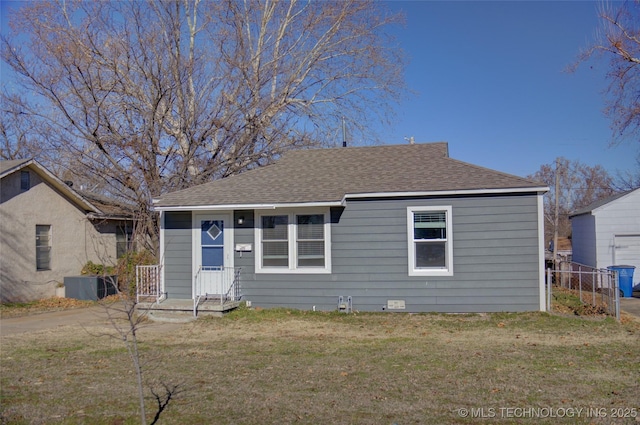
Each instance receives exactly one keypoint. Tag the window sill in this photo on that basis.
(309, 270)
(434, 272)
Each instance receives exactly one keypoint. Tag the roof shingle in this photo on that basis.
(327, 175)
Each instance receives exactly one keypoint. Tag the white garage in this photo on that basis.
(607, 233)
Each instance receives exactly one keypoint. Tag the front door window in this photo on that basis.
(212, 243)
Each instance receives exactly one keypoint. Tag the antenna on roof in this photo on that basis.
(411, 140)
(344, 134)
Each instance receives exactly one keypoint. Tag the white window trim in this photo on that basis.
(292, 242)
(446, 271)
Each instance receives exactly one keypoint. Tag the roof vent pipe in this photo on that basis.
(344, 134)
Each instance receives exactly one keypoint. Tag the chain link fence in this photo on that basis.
(595, 289)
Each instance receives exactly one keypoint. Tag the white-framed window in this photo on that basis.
(275, 240)
(293, 241)
(430, 241)
(43, 247)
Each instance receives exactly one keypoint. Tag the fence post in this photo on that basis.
(601, 285)
(580, 283)
(616, 290)
(593, 286)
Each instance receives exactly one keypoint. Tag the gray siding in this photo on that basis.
(244, 234)
(177, 255)
(495, 259)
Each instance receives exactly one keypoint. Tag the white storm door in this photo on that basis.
(213, 253)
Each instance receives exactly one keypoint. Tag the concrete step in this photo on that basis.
(181, 311)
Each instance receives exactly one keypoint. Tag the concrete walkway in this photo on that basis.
(631, 305)
(91, 317)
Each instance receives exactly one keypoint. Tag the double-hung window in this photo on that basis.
(430, 241)
(275, 241)
(293, 242)
(310, 240)
(43, 247)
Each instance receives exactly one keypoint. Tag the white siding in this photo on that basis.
(627, 250)
(619, 217)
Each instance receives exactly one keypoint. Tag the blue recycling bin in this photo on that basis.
(625, 279)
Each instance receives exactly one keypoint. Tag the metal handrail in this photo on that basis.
(229, 276)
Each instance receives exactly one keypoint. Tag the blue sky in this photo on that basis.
(490, 79)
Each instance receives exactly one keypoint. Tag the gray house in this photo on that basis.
(385, 228)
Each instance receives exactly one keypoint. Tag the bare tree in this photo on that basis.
(148, 97)
(17, 138)
(618, 40)
(127, 322)
(117, 295)
(578, 186)
(628, 180)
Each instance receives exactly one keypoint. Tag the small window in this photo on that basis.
(25, 181)
(212, 243)
(430, 244)
(123, 241)
(43, 247)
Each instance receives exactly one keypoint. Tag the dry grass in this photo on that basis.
(41, 306)
(279, 366)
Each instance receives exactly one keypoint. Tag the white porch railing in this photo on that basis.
(220, 284)
(148, 283)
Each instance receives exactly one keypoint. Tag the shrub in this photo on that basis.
(93, 269)
(126, 269)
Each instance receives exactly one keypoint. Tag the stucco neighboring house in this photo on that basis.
(384, 228)
(607, 232)
(49, 231)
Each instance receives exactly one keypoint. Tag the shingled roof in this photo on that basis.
(599, 203)
(97, 207)
(330, 175)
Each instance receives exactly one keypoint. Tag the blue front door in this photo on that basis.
(213, 259)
